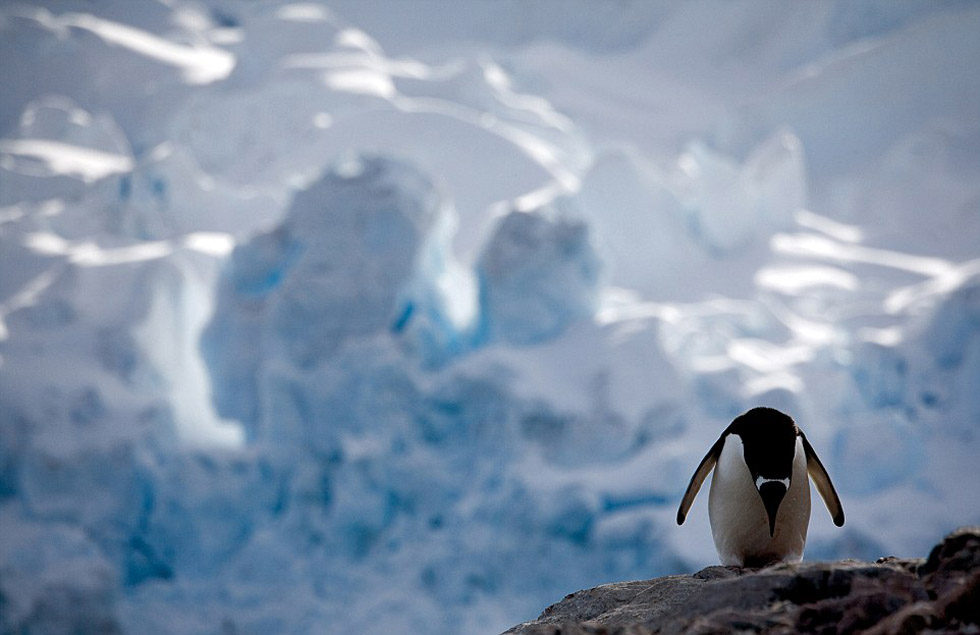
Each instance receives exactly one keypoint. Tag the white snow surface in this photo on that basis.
(380, 317)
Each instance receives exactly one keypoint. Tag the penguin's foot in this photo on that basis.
(760, 562)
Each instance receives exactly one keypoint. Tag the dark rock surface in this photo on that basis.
(940, 594)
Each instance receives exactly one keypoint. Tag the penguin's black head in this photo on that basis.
(769, 447)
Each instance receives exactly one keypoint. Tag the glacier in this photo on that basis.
(374, 317)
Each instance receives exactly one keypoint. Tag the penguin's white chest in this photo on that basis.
(739, 523)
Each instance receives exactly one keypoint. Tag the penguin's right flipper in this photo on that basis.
(707, 464)
(822, 480)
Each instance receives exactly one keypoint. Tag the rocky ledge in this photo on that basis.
(939, 594)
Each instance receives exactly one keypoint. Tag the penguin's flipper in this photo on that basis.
(822, 480)
(707, 464)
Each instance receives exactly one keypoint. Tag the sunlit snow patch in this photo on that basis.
(794, 279)
(200, 63)
(62, 158)
(820, 246)
(57, 138)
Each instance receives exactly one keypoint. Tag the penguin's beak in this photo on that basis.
(772, 493)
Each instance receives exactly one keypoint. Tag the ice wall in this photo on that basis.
(364, 319)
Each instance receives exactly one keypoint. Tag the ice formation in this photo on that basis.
(537, 275)
(353, 318)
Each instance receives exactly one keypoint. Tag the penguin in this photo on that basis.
(759, 502)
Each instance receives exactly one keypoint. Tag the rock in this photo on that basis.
(940, 594)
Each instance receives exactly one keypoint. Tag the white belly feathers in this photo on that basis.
(739, 524)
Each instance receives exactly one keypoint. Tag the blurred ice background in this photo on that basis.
(377, 317)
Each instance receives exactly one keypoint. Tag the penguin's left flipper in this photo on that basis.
(705, 467)
(822, 480)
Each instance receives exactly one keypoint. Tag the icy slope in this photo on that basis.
(356, 318)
